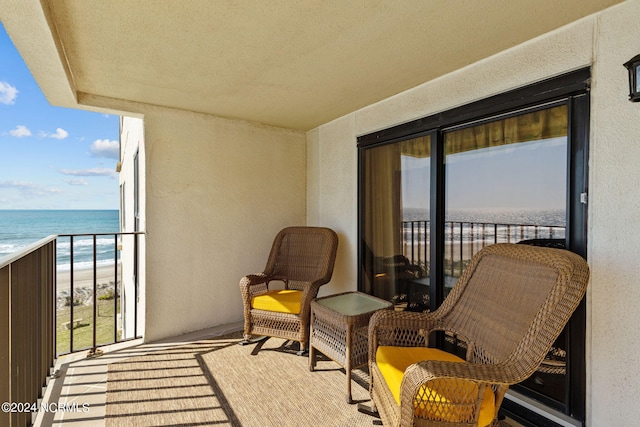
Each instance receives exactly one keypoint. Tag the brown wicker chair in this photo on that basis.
(302, 258)
(509, 305)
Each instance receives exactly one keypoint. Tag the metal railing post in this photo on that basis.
(116, 294)
(72, 298)
(95, 295)
(135, 281)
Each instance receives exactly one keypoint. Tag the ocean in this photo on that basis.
(20, 228)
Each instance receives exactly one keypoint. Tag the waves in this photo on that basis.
(83, 250)
(21, 228)
(106, 250)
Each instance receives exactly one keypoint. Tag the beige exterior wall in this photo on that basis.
(332, 194)
(217, 193)
(613, 223)
(604, 41)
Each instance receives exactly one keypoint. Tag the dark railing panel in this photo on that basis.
(97, 319)
(27, 280)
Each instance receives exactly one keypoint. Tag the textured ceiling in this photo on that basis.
(293, 64)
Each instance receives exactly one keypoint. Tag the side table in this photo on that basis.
(339, 329)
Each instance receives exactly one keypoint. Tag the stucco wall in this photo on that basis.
(331, 195)
(217, 193)
(604, 41)
(614, 219)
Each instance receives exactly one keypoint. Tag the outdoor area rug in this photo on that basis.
(218, 382)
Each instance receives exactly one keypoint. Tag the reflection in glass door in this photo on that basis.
(506, 181)
(509, 168)
(395, 211)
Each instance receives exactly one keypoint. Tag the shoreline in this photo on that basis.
(83, 278)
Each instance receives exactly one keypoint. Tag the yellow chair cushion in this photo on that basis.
(281, 301)
(393, 361)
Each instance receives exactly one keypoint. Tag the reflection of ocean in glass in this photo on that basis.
(544, 217)
(487, 226)
(21, 228)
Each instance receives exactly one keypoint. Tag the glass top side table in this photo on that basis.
(339, 329)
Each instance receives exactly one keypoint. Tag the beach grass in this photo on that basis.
(83, 331)
(83, 289)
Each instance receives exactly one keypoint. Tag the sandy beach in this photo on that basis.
(83, 284)
(83, 278)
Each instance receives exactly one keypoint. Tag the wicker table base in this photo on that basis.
(339, 328)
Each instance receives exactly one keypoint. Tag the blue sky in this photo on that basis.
(51, 157)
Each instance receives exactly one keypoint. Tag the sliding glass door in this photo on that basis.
(506, 181)
(434, 192)
(395, 240)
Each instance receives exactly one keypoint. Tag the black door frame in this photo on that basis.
(571, 88)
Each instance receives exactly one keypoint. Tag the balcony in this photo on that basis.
(203, 378)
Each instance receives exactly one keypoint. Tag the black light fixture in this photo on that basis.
(633, 65)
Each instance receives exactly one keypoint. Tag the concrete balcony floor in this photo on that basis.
(83, 381)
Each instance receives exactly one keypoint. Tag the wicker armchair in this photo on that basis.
(302, 258)
(508, 306)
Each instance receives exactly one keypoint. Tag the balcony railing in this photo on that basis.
(39, 320)
(27, 328)
(464, 239)
(91, 306)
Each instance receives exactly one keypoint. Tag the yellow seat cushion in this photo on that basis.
(281, 301)
(393, 361)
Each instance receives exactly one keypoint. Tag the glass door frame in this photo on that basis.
(571, 89)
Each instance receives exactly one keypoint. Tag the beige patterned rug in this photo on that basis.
(216, 382)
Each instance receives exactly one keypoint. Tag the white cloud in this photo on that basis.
(20, 131)
(29, 188)
(106, 148)
(60, 134)
(8, 93)
(89, 172)
(77, 182)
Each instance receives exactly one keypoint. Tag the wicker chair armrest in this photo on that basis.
(253, 284)
(309, 292)
(428, 372)
(399, 328)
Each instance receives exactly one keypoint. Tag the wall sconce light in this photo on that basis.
(633, 65)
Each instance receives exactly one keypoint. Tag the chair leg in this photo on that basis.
(303, 350)
(249, 340)
(369, 409)
(246, 339)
